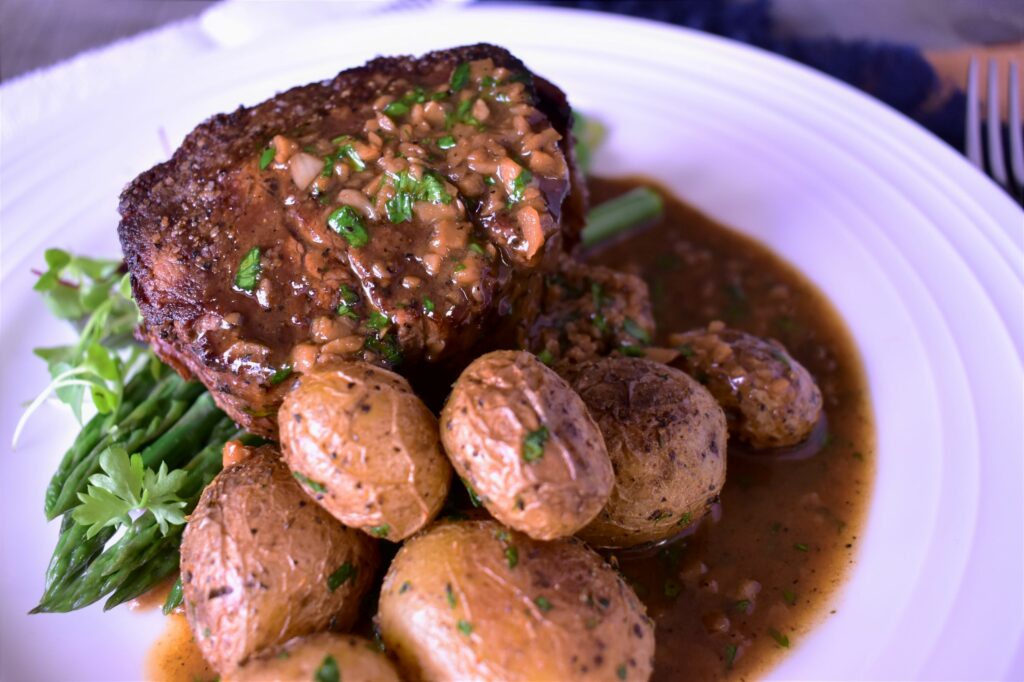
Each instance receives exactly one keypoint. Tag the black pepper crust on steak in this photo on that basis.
(402, 213)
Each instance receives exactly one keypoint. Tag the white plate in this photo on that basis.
(921, 254)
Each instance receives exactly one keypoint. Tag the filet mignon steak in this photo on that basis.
(402, 213)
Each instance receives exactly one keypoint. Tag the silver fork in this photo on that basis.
(993, 127)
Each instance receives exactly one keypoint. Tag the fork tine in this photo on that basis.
(972, 132)
(994, 126)
(1016, 123)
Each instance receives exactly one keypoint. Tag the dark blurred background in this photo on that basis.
(911, 54)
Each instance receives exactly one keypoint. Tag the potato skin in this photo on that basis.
(499, 400)
(666, 437)
(456, 606)
(370, 446)
(257, 558)
(357, 660)
(770, 399)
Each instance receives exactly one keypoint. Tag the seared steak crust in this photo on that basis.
(403, 213)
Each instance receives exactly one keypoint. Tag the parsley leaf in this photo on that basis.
(266, 157)
(348, 223)
(460, 76)
(399, 208)
(127, 485)
(515, 194)
(248, 270)
(446, 142)
(533, 444)
(327, 671)
(315, 486)
(340, 576)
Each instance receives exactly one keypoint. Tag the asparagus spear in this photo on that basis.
(170, 400)
(142, 556)
(617, 215)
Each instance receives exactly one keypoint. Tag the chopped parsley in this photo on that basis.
(387, 347)
(543, 604)
(460, 77)
(800, 547)
(672, 588)
(636, 331)
(730, 655)
(533, 444)
(428, 305)
(465, 627)
(512, 556)
(789, 596)
(632, 351)
(742, 606)
(378, 321)
(348, 223)
(315, 486)
(446, 142)
(348, 300)
(686, 350)
(546, 357)
(282, 373)
(266, 157)
(620, 672)
(462, 115)
(348, 153)
(476, 248)
(449, 596)
(248, 271)
(474, 499)
(780, 639)
(397, 108)
(488, 82)
(380, 531)
(685, 519)
(515, 195)
(399, 208)
(459, 267)
(327, 671)
(340, 576)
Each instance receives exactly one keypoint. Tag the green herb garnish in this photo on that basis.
(780, 639)
(340, 576)
(174, 597)
(546, 357)
(249, 271)
(385, 346)
(349, 224)
(789, 596)
(742, 606)
(348, 153)
(685, 519)
(512, 556)
(349, 299)
(446, 142)
(380, 531)
(449, 595)
(515, 195)
(397, 108)
(266, 157)
(428, 305)
(460, 76)
(315, 486)
(672, 588)
(399, 208)
(282, 373)
(800, 547)
(533, 444)
(543, 604)
(730, 655)
(378, 321)
(620, 672)
(477, 249)
(327, 671)
(473, 498)
(636, 331)
(127, 486)
(465, 627)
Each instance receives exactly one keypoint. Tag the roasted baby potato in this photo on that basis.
(323, 656)
(472, 600)
(261, 563)
(523, 440)
(366, 448)
(666, 437)
(769, 399)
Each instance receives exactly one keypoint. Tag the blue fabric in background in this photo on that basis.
(896, 74)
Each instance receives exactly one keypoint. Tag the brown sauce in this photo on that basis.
(733, 595)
